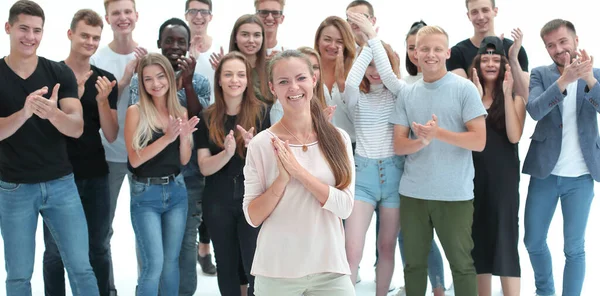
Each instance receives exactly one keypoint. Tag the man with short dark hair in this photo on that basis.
(38, 111)
(270, 13)
(481, 14)
(98, 97)
(564, 155)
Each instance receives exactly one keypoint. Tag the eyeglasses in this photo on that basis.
(194, 12)
(265, 13)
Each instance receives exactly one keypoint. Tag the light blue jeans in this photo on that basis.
(377, 180)
(575, 195)
(60, 207)
(158, 215)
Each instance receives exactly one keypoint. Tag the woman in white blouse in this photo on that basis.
(299, 185)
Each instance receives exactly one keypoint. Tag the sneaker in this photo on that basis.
(206, 264)
(401, 291)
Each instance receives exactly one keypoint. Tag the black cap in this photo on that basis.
(491, 45)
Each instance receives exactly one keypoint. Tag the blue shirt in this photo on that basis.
(202, 88)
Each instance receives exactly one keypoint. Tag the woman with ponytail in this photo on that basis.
(299, 186)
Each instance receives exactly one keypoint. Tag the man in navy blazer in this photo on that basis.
(564, 155)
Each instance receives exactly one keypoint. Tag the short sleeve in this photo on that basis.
(472, 106)
(201, 135)
(134, 92)
(456, 60)
(399, 115)
(202, 88)
(68, 83)
(113, 97)
(523, 60)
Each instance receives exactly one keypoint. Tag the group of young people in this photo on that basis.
(281, 156)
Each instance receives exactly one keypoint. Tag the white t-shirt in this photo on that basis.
(409, 79)
(204, 68)
(277, 47)
(106, 59)
(570, 161)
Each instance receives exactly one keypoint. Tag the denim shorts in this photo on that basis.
(377, 180)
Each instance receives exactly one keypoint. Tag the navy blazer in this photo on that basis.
(545, 106)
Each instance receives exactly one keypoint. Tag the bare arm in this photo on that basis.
(137, 158)
(9, 125)
(514, 110)
(403, 145)
(69, 118)
(108, 116)
(473, 139)
(210, 164)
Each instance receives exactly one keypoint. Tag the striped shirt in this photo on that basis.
(371, 111)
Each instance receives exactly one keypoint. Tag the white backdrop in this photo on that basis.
(302, 19)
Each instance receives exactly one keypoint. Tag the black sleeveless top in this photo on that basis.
(165, 163)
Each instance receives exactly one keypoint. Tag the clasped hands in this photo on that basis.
(426, 132)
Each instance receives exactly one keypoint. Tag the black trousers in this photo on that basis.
(234, 242)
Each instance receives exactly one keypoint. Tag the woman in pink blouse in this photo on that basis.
(299, 185)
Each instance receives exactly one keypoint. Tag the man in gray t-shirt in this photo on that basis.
(438, 121)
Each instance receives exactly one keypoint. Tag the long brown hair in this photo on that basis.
(251, 109)
(347, 36)
(365, 85)
(319, 92)
(261, 55)
(329, 138)
(496, 115)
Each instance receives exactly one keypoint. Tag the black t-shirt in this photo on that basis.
(228, 182)
(87, 153)
(463, 53)
(37, 151)
(165, 163)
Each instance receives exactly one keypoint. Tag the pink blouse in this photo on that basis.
(300, 237)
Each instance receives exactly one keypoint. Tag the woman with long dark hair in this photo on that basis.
(223, 133)
(497, 171)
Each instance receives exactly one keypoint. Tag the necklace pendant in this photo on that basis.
(304, 148)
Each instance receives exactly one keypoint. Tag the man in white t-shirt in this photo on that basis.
(270, 13)
(119, 58)
(198, 14)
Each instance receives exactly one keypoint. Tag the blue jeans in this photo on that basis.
(95, 200)
(158, 215)
(189, 248)
(435, 263)
(60, 207)
(576, 196)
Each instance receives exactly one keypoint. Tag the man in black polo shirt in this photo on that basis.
(98, 96)
(482, 13)
(39, 109)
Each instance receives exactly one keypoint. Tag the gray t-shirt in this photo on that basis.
(439, 171)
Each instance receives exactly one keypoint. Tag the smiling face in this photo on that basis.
(25, 34)
(330, 42)
(85, 39)
(559, 42)
(490, 66)
(155, 80)
(292, 84)
(432, 52)
(233, 78)
(270, 21)
(482, 14)
(174, 43)
(198, 22)
(121, 16)
(249, 38)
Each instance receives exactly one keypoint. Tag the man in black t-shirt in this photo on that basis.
(481, 13)
(39, 108)
(98, 96)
